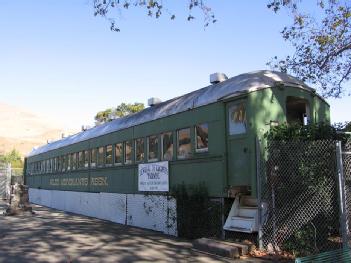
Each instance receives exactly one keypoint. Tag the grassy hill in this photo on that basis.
(23, 130)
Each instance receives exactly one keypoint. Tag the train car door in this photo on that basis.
(238, 144)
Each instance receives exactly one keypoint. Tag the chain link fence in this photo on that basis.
(346, 157)
(9, 176)
(300, 197)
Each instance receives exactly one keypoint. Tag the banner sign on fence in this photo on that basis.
(153, 177)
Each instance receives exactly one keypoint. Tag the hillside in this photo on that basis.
(22, 130)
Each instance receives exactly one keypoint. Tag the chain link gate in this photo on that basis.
(300, 197)
(346, 158)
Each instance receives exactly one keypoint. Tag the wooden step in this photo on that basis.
(221, 248)
(217, 247)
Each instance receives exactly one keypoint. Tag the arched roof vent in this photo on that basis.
(217, 77)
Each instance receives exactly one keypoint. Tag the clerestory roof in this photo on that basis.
(232, 87)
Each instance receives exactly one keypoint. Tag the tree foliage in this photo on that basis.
(311, 132)
(14, 158)
(124, 109)
(321, 39)
(111, 9)
(322, 44)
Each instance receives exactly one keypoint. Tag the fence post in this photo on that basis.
(341, 188)
(258, 189)
(8, 181)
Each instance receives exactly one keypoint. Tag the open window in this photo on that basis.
(297, 110)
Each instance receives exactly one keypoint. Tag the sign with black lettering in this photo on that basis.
(153, 177)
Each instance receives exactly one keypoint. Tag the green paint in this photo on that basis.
(230, 160)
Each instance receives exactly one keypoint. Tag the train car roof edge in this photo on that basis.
(235, 86)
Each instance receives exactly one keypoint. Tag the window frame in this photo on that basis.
(162, 149)
(105, 155)
(86, 158)
(191, 144)
(201, 150)
(92, 158)
(101, 162)
(136, 150)
(229, 113)
(148, 148)
(121, 156)
(129, 161)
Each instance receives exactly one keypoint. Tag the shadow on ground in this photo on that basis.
(54, 236)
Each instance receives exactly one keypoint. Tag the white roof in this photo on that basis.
(232, 87)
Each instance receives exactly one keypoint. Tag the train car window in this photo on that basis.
(93, 155)
(118, 153)
(237, 119)
(152, 148)
(59, 164)
(201, 140)
(297, 110)
(73, 161)
(108, 155)
(139, 150)
(69, 162)
(81, 160)
(64, 163)
(184, 143)
(86, 159)
(167, 146)
(100, 160)
(44, 171)
(128, 152)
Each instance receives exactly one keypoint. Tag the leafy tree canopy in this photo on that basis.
(121, 110)
(322, 44)
(321, 39)
(13, 157)
(111, 9)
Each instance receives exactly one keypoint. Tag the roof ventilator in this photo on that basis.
(153, 101)
(217, 77)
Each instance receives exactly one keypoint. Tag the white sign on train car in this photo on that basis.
(153, 177)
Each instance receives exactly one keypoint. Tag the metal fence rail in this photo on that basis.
(299, 188)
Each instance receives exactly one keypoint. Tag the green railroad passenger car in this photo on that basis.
(206, 136)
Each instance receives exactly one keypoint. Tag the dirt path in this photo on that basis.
(55, 236)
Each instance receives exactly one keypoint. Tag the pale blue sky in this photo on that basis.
(59, 60)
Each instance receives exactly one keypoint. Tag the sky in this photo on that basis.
(58, 60)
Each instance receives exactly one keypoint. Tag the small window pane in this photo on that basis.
(81, 160)
(64, 163)
(184, 143)
(73, 161)
(61, 163)
(237, 119)
(118, 153)
(86, 159)
(153, 148)
(108, 156)
(69, 162)
(201, 133)
(139, 150)
(167, 146)
(93, 155)
(56, 164)
(128, 152)
(100, 156)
